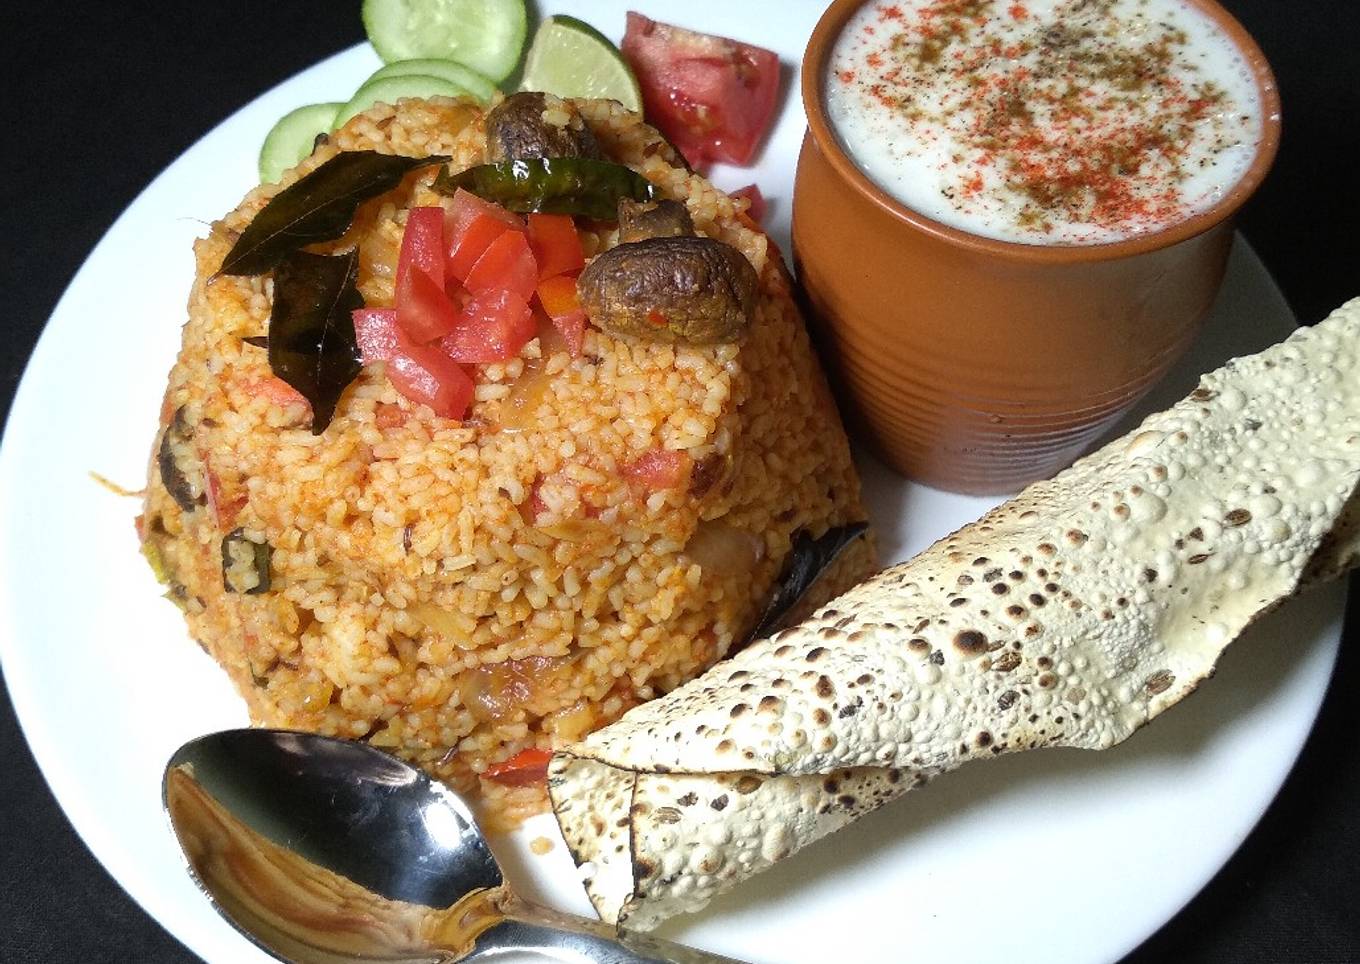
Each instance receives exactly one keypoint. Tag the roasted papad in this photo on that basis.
(1069, 616)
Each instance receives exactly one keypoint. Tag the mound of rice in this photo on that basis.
(459, 592)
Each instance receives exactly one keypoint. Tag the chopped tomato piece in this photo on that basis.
(508, 263)
(756, 212)
(525, 767)
(422, 243)
(558, 296)
(275, 389)
(572, 328)
(229, 509)
(387, 415)
(534, 506)
(224, 510)
(464, 207)
(459, 295)
(422, 373)
(470, 225)
(468, 247)
(550, 340)
(659, 469)
(425, 374)
(714, 98)
(559, 300)
(376, 331)
(493, 327)
(212, 489)
(424, 311)
(556, 245)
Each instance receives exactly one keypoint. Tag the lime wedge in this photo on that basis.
(570, 58)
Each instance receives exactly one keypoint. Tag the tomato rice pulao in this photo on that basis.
(604, 522)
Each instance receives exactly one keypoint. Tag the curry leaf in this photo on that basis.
(320, 207)
(312, 345)
(552, 185)
(808, 559)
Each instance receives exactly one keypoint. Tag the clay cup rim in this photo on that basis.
(814, 66)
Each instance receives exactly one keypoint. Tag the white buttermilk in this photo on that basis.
(1045, 121)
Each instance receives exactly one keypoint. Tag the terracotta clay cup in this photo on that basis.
(978, 365)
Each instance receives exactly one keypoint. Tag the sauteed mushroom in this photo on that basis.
(676, 289)
(515, 129)
(639, 220)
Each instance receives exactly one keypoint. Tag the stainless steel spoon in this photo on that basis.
(326, 851)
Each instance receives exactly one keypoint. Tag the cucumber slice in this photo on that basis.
(389, 90)
(449, 70)
(486, 35)
(292, 138)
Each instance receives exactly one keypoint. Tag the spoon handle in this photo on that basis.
(530, 929)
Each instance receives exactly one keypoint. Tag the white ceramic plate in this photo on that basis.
(1062, 854)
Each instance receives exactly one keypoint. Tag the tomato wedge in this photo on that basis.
(525, 767)
(556, 245)
(563, 307)
(507, 264)
(714, 98)
(425, 374)
(493, 327)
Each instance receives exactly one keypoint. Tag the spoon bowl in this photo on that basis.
(328, 851)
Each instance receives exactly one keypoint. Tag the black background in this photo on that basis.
(100, 97)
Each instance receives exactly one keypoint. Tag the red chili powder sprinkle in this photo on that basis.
(1084, 124)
